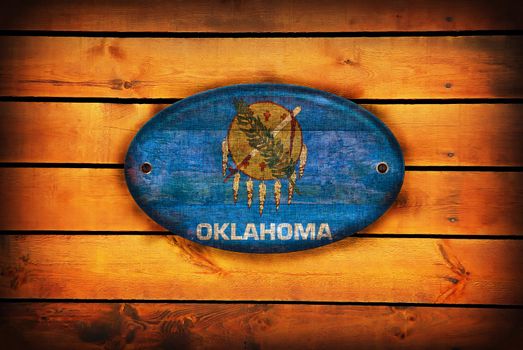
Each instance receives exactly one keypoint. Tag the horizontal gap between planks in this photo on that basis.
(263, 302)
(63, 165)
(496, 237)
(395, 101)
(463, 168)
(121, 166)
(436, 236)
(116, 34)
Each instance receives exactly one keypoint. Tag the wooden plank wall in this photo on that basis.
(81, 267)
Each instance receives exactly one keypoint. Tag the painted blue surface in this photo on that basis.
(340, 185)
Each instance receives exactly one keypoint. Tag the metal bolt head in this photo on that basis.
(146, 168)
(382, 168)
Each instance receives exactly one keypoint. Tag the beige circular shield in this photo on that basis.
(263, 144)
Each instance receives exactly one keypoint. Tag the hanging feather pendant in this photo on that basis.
(303, 159)
(263, 190)
(225, 155)
(236, 186)
(250, 187)
(292, 181)
(277, 193)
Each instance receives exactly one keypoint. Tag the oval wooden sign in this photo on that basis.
(264, 168)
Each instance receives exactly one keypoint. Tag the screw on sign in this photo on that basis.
(264, 168)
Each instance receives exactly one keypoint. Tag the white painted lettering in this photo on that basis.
(310, 230)
(288, 235)
(250, 231)
(233, 233)
(283, 231)
(199, 232)
(271, 231)
(324, 231)
(220, 232)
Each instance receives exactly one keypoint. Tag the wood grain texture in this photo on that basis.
(354, 269)
(382, 67)
(98, 199)
(260, 16)
(160, 267)
(446, 134)
(255, 326)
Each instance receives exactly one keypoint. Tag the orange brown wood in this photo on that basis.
(414, 270)
(434, 50)
(486, 203)
(380, 68)
(261, 15)
(443, 134)
(254, 326)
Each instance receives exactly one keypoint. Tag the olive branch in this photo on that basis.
(261, 138)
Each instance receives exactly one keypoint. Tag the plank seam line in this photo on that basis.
(455, 168)
(168, 100)
(270, 302)
(490, 237)
(62, 165)
(438, 236)
(413, 168)
(197, 35)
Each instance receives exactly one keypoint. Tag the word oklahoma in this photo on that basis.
(271, 232)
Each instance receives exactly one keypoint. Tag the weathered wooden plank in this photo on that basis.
(354, 269)
(446, 134)
(98, 199)
(457, 134)
(382, 67)
(70, 132)
(261, 16)
(255, 326)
